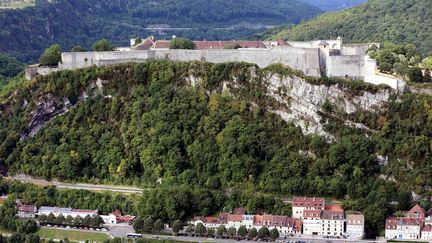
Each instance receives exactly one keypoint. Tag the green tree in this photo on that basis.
(138, 225)
(274, 234)
(415, 75)
(148, 225)
(51, 218)
(252, 233)
(242, 231)
(263, 232)
(159, 225)
(200, 230)
(427, 62)
(102, 45)
(211, 232)
(181, 43)
(78, 48)
(232, 231)
(51, 56)
(221, 230)
(59, 219)
(190, 229)
(96, 221)
(32, 238)
(177, 226)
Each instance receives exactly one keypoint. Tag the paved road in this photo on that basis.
(121, 231)
(91, 187)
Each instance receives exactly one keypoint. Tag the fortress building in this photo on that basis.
(319, 58)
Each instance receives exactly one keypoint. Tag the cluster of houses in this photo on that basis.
(31, 212)
(415, 224)
(310, 216)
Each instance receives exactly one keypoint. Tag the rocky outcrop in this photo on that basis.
(306, 101)
(47, 107)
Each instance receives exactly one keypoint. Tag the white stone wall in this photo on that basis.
(297, 212)
(303, 59)
(346, 66)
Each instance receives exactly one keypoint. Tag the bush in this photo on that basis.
(415, 75)
(78, 48)
(181, 43)
(51, 56)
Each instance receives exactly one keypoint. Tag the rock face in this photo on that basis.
(306, 100)
(47, 108)
(300, 102)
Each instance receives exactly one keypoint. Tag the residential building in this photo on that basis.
(234, 220)
(283, 224)
(66, 212)
(426, 233)
(332, 223)
(409, 229)
(312, 222)
(299, 204)
(355, 226)
(109, 219)
(298, 227)
(391, 231)
(27, 211)
(417, 212)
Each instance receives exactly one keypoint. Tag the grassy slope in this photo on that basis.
(399, 21)
(73, 235)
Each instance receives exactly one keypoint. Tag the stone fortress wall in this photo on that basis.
(304, 59)
(329, 58)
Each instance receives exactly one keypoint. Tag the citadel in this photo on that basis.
(318, 58)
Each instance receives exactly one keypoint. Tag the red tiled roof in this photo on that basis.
(161, 44)
(211, 220)
(417, 210)
(281, 42)
(235, 218)
(409, 221)
(333, 215)
(312, 214)
(27, 208)
(272, 220)
(391, 223)
(427, 228)
(117, 213)
(308, 202)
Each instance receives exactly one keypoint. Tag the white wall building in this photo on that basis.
(300, 204)
(312, 222)
(355, 226)
(332, 223)
(109, 219)
(391, 228)
(66, 212)
(426, 233)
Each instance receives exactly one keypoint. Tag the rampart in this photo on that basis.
(304, 59)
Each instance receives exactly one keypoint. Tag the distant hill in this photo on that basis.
(399, 21)
(331, 5)
(26, 32)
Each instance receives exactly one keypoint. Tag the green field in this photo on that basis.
(72, 235)
(17, 4)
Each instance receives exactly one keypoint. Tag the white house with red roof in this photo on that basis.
(299, 204)
(355, 226)
(410, 227)
(332, 221)
(426, 233)
(312, 222)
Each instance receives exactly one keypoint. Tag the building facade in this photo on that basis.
(66, 212)
(299, 204)
(355, 226)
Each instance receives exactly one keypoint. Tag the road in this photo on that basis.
(121, 231)
(90, 187)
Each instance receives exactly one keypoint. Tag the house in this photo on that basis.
(66, 212)
(312, 222)
(355, 226)
(234, 220)
(417, 212)
(109, 219)
(391, 228)
(283, 224)
(299, 204)
(410, 227)
(26, 211)
(332, 223)
(426, 233)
